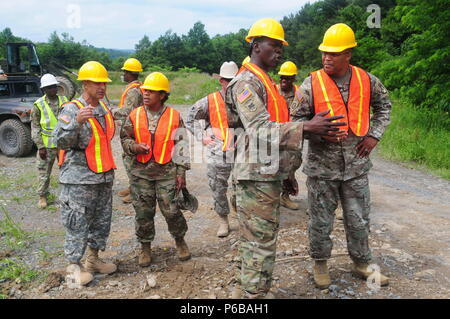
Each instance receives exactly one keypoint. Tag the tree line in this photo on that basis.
(408, 53)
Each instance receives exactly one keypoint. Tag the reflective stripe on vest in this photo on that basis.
(218, 119)
(276, 104)
(326, 96)
(48, 119)
(99, 155)
(163, 137)
(128, 88)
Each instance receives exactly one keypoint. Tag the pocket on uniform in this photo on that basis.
(73, 216)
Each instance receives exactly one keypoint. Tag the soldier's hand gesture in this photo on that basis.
(325, 126)
(85, 114)
(141, 148)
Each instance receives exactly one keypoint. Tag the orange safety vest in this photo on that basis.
(163, 137)
(99, 155)
(276, 104)
(326, 96)
(124, 94)
(218, 119)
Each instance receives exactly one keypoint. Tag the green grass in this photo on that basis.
(419, 137)
(12, 235)
(14, 270)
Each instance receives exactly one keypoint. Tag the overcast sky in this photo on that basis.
(120, 24)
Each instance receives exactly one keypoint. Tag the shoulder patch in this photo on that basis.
(244, 95)
(65, 119)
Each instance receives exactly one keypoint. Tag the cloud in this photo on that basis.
(120, 24)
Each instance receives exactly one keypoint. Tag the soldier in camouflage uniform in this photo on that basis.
(86, 192)
(258, 177)
(43, 121)
(219, 161)
(337, 168)
(131, 98)
(153, 179)
(287, 88)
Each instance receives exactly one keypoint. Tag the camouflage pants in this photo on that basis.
(295, 158)
(86, 214)
(45, 170)
(323, 197)
(218, 174)
(144, 194)
(258, 209)
(127, 164)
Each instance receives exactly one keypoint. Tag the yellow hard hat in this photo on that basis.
(132, 65)
(156, 81)
(246, 60)
(288, 68)
(93, 71)
(267, 27)
(338, 38)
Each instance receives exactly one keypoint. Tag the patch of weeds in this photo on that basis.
(51, 199)
(54, 183)
(2, 296)
(52, 208)
(11, 233)
(13, 270)
(47, 256)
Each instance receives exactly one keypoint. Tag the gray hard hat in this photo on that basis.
(186, 201)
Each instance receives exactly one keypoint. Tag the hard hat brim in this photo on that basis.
(131, 70)
(325, 48)
(104, 80)
(286, 73)
(154, 88)
(249, 38)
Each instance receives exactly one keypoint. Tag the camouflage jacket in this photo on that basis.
(246, 98)
(152, 170)
(74, 137)
(36, 121)
(133, 100)
(288, 96)
(339, 161)
(198, 123)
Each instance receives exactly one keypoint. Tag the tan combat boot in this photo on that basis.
(183, 250)
(126, 199)
(339, 213)
(77, 275)
(42, 202)
(224, 227)
(285, 201)
(361, 271)
(145, 257)
(321, 275)
(94, 264)
(124, 192)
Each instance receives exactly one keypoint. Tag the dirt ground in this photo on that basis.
(410, 241)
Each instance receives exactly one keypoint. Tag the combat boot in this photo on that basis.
(94, 264)
(126, 199)
(145, 257)
(42, 202)
(77, 275)
(321, 275)
(224, 227)
(360, 270)
(124, 192)
(183, 250)
(285, 201)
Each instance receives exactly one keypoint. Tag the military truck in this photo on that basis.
(19, 88)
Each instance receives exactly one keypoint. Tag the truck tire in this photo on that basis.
(65, 87)
(15, 138)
